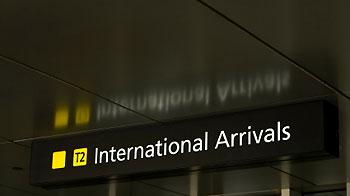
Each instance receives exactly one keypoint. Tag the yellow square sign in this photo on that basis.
(80, 157)
(58, 159)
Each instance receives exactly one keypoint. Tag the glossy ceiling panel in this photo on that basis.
(189, 61)
(313, 33)
(3, 140)
(33, 105)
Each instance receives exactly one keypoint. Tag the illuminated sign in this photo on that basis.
(298, 131)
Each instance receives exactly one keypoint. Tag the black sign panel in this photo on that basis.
(306, 130)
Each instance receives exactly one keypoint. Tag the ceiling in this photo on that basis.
(73, 67)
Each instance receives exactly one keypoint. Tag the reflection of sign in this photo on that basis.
(201, 95)
(82, 114)
(61, 117)
(306, 130)
(81, 118)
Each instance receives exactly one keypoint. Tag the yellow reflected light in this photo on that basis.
(82, 114)
(61, 117)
